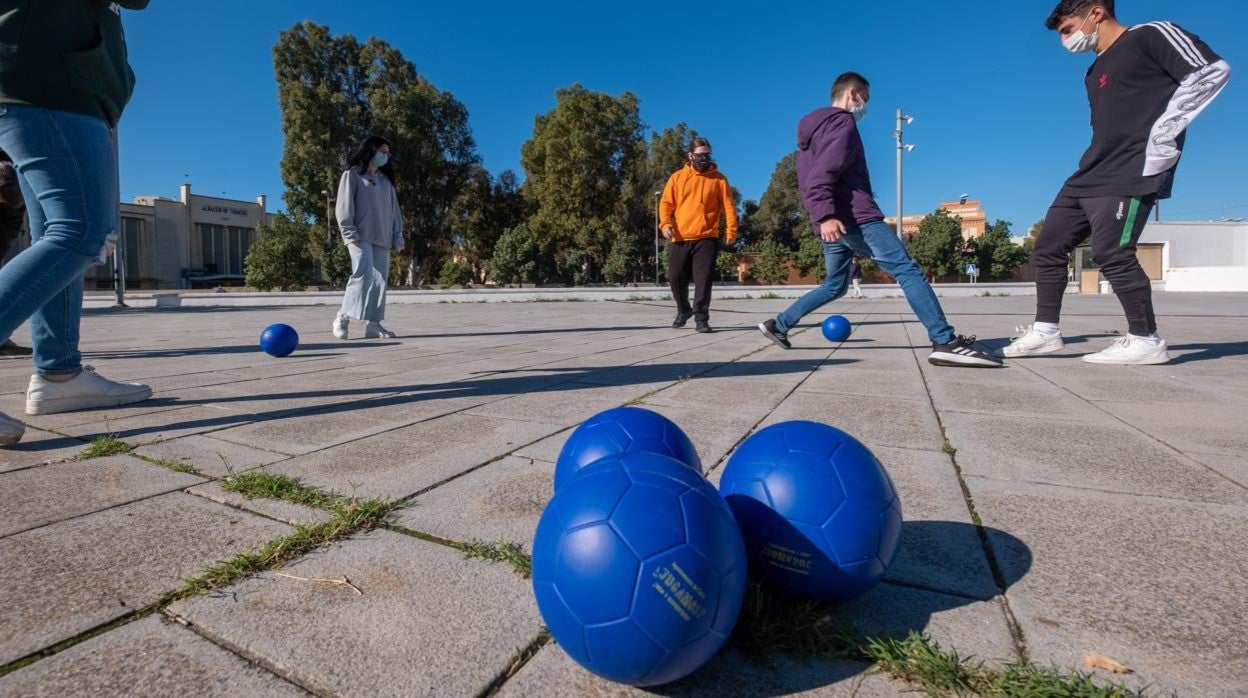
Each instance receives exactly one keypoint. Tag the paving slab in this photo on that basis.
(880, 421)
(500, 502)
(39, 496)
(1100, 455)
(66, 578)
(1231, 467)
(551, 673)
(1204, 429)
(149, 657)
(211, 456)
(1160, 585)
(402, 462)
(565, 404)
(286, 512)
(160, 426)
(428, 621)
(39, 447)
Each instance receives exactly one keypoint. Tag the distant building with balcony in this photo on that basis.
(974, 220)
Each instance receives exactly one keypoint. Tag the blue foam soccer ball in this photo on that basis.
(837, 328)
(819, 515)
(639, 569)
(279, 340)
(623, 430)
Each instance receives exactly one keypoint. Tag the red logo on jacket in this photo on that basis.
(1104, 80)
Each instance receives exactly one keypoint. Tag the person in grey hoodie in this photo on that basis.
(836, 190)
(372, 226)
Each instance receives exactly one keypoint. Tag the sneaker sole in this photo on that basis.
(763, 328)
(73, 404)
(955, 361)
(10, 440)
(1040, 352)
(1150, 361)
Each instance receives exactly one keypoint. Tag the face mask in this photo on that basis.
(380, 159)
(701, 162)
(1079, 42)
(859, 112)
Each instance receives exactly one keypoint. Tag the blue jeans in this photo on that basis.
(876, 241)
(365, 296)
(67, 168)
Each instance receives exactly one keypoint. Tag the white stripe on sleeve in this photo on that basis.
(1191, 98)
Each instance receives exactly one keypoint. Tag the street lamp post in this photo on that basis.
(657, 194)
(902, 120)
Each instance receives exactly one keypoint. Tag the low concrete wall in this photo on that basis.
(200, 299)
(1207, 279)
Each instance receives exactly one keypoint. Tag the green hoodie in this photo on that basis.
(68, 55)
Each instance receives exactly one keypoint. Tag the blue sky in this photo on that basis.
(999, 105)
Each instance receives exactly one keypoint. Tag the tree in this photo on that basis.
(333, 91)
(576, 164)
(809, 257)
(726, 265)
(772, 265)
(780, 215)
(938, 247)
(455, 274)
(998, 255)
(279, 258)
(624, 262)
(515, 258)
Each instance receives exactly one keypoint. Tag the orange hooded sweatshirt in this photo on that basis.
(694, 202)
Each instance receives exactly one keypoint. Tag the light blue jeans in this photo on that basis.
(876, 241)
(67, 168)
(365, 297)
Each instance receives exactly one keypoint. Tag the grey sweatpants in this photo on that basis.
(365, 298)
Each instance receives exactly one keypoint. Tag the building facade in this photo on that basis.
(974, 220)
(189, 242)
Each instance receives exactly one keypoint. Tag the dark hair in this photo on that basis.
(1066, 8)
(698, 142)
(364, 155)
(846, 81)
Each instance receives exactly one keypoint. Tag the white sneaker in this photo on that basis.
(1033, 342)
(1131, 350)
(340, 327)
(374, 330)
(84, 391)
(11, 430)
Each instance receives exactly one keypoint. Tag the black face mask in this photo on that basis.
(701, 162)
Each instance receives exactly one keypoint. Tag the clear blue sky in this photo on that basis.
(999, 105)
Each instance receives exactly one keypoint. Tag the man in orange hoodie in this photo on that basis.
(694, 201)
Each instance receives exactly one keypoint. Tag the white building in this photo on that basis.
(1196, 256)
(190, 242)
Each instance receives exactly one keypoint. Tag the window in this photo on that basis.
(212, 240)
(225, 248)
(132, 228)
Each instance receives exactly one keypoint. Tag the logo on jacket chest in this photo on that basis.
(1103, 80)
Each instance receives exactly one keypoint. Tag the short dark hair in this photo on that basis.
(846, 81)
(698, 142)
(1066, 8)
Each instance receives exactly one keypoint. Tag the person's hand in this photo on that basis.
(668, 231)
(831, 230)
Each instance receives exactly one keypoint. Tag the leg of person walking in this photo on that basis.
(703, 263)
(837, 257)
(679, 258)
(375, 295)
(1066, 226)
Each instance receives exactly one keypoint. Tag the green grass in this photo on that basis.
(169, 464)
(259, 484)
(939, 672)
(105, 446)
(501, 551)
(349, 518)
(947, 448)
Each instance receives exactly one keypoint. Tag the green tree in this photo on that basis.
(624, 262)
(333, 91)
(455, 274)
(809, 257)
(780, 215)
(998, 256)
(772, 265)
(726, 265)
(938, 247)
(576, 165)
(280, 258)
(515, 258)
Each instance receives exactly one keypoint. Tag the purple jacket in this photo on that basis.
(832, 169)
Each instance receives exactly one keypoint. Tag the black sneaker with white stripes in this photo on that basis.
(769, 331)
(962, 352)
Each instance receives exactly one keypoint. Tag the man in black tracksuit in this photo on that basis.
(1148, 83)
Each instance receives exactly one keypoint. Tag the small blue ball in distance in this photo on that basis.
(836, 328)
(819, 514)
(279, 340)
(639, 570)
(622, 430)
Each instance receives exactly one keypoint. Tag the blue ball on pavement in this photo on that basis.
(279, 340)
(619, 431)
(836, 328)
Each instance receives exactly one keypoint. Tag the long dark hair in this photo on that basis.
(363, 156)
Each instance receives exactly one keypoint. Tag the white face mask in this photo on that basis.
(859, 112)
(1079, 42)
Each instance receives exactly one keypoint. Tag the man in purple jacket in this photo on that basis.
(836, 189)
